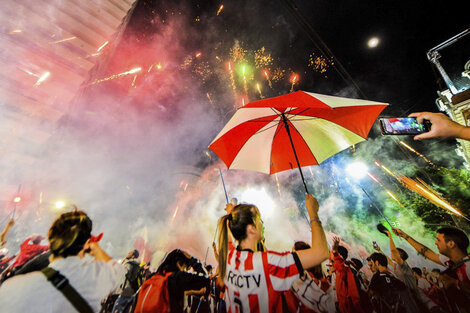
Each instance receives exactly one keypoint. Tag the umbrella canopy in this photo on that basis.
(294, 130)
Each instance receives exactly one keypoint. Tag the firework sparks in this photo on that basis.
(267, 78)
(386, 190)
(102, 46)
(42, 79)
(237, 53)
(220, 9)
(417, 153)
(63, 40)
(278, 74)
(15, 31)
(198, 54)
(130, 72)
(133, 81)
(203, 70)
(174, 214)
(319, 64)
(429, 194)
(210, 100)
(208, 155)
(293, 81)
(262, 58)
(423, 190)
(232, 78)
(386, 169)
(259, 90)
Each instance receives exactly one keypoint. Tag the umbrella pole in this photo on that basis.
(293, 148)
(223, 184)
(375, 206)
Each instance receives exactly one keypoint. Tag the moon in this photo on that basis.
(373, 42)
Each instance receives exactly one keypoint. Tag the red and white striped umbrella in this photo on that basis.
(294, 130)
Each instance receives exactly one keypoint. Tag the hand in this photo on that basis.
(336, 241)
(229, 207)
(312, 205)
(94, 249)
(377, 248)
(399, 233)
(11, 222)
(442, 126)
(91, 247)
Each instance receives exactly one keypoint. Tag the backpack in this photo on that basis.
(366, 305)
(154, 296)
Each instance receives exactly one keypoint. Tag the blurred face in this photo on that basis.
(259, 228)
(371, 266)
(442, 245)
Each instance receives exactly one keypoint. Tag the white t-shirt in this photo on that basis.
(424, 284)
(31, 292)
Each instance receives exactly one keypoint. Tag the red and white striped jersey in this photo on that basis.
(254, 280)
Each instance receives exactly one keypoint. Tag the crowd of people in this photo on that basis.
(72, 273)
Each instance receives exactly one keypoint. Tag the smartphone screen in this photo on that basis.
(402, 126)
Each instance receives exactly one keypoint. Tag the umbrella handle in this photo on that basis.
(223, 184)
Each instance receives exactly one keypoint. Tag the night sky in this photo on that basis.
(396, 71)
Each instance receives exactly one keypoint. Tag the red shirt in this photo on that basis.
(255, 280)
(346, 288)
(27, 251)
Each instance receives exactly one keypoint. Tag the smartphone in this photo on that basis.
(403, 126)
(375, 244)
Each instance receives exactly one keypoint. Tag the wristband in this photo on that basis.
(315, 220)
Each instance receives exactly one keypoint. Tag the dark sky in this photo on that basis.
(397, 71)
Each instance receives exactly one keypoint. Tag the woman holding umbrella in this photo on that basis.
(255, 280)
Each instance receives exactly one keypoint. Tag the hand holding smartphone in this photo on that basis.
(403, 126)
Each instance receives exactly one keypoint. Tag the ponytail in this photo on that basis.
(223, 246)
(235, 224)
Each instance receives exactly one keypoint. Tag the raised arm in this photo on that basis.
(422, 249)
(214, 248)
(6, 230)
(319, 250)
(393, 250)
(390, 261)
